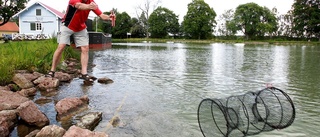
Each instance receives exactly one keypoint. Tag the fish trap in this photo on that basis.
(247, 114)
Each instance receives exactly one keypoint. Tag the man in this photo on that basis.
(74, 23)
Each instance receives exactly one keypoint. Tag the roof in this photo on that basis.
(52, 10)
(56, 12)
(10, 27)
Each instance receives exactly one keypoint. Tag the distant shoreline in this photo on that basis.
(269, 42)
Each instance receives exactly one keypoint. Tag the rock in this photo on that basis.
(8, 118)
(88, 83)
(23, 129)
(33, 133)
(33, 76)
(51, 131)
(72, 64)
(28, 92)
(85, 99)
(75, 131)
(63, 77)
(43, 100)
(21, 71)
(49, 92)
(4, 88)
(21, 81)
(115, 121)
(3, 128)
(71, 70)
(44, 83)
(13, 87)
(105, 80)
(68, 106)
(90, 120)
(72, 60)
(37, 74)
(10, 100)
(30, 113)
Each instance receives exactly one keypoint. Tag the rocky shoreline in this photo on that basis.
(16, 104)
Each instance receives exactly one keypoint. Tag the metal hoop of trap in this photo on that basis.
(247, 114)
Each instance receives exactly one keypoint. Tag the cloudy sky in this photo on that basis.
(179, 7)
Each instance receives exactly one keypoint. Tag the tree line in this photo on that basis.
(251, 20)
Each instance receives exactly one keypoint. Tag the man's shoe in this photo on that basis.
(86, 77)
(50, 74)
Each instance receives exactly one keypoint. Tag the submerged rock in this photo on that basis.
(105, 80)
(43, 100)
(68, 106)
(90, 120)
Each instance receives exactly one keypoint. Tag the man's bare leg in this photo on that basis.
(84, 59)
(57, 56)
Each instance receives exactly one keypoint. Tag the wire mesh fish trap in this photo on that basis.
(245, 115)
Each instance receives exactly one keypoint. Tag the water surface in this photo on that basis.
(158, 86)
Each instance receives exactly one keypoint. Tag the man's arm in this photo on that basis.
(104, 17)
(82, 6)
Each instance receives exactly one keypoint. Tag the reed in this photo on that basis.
(29, 55)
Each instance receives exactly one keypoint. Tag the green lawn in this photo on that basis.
(28, 55)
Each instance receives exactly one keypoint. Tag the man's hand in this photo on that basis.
(111, 17)
(82, 6)
(93, 6)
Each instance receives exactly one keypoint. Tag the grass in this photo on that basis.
(28, 55)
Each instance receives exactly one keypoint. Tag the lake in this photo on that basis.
(158, 86)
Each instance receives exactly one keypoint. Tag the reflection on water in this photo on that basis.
(157, 87)
(166, 82)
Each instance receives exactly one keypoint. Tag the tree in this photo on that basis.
(143, 20)
(173, 24)
(199, 22)
(306, 18)
(225, 26)
(8, 8)
(253, 20)
(285, 24)
(137, 30)
(123, 25)
(145, 11)
(163, 21)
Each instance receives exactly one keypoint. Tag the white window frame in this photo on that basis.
(37, 25)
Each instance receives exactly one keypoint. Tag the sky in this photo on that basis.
(179, 7)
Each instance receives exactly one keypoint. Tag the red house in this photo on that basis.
(8, 29)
